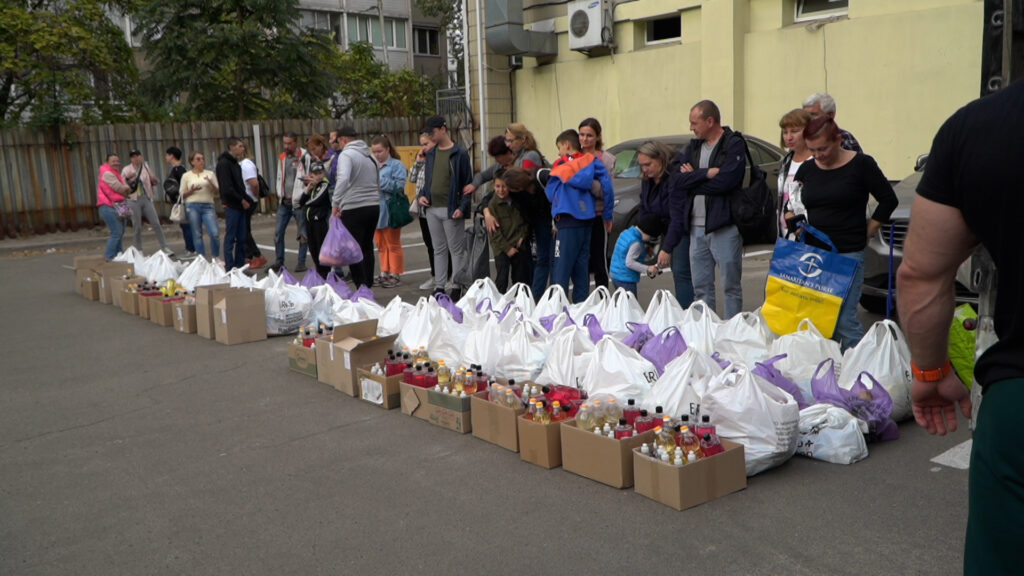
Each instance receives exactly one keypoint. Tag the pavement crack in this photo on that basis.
(78, 427)
(312, 435)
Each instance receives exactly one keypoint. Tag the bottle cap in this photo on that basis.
(657, 428)
(622, 421)
(666, 419)
(658, 410)
(631, 402)
(430, 368)
(597, 403)
(556, 403)
(611, 400)
(707, 436)
(643, 413)
(511, 381)
(587, 406)
(684, 418)
(705, 418)
(684, 428)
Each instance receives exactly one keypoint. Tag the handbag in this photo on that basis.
(398, 210)
(123, 211)
(806, 282)
(178, 212)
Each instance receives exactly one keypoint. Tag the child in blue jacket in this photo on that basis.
(631, 250)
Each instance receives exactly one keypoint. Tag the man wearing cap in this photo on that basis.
(140, 178)
(356, 198)
(446, 172)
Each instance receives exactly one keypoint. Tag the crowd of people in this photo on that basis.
(547, 221)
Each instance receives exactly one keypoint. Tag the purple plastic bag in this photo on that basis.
(312, 279)
(363, 292)
(664, 348)
(639, 334)
(445, 301)
(548, 322)
(340, 247)
(288, 278)
(873, 405)
(508, 308)
(339, 285)
(769, 372)
(592, 325)
(721, 361)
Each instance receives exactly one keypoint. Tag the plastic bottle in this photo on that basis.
(623, 430)
(481, 381)
(541, 415)
(631, 411)
(422, 357)
(517, 389)
(705, 426)
(511, 400)
(665, 458)
(598, 409)
(678, 459)
(645, 449)
(431, 379)
(664, 439)
(531, 409)
(607, 429)
(471, 385)
(407, 374)
(710, 445)
(419, 376)
(691, 457)
(585, 418)
(458, 381)
(612, 412)
(496, 393)
(444, 373)
(557, 414)
(643, 422)
(391, 366)
(689, 442)
(659, 415)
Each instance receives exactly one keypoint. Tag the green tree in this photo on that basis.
(449, 12)
(243, 59)
(368, 89)
(64, 60)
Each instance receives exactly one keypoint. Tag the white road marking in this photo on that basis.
(958, 456)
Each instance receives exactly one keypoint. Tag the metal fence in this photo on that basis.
(48, 176)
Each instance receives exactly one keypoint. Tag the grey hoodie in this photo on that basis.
(357, 183)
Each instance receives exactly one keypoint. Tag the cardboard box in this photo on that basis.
(353, 345)
(161, 310)
(540, 444)
(85, 266)
(606, 460)
(144, 298)
(185, 317)
(205, 299)
(384, 391)
(118, 285)
(91, 287)
(438, 408)
(130, 302)
(302, 359)
(240, 316)
(495, 423)
(109, 272)
(683, 487)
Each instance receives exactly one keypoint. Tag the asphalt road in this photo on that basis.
(127, 448)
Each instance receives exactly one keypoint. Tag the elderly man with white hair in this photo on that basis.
(820, 103)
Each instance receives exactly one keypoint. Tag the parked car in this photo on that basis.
(626, 178)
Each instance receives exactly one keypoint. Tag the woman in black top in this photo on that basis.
(316, 200)
(832, 195)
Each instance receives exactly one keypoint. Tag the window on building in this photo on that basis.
(366, 28)
(667, 29)
(329, 22)
(814, 9)
(427, 42)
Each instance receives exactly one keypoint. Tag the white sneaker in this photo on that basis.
(428, 284)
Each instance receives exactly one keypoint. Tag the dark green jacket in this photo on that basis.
(512, 225)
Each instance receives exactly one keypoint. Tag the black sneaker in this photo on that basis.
(455, 294)
(277, 268)
(301, 267)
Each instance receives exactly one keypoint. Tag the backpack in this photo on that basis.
(264, 187)
(172, 184)
(752, 207)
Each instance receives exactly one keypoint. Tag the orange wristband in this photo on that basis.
(931, 375)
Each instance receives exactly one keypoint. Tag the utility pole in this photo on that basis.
(383, 35)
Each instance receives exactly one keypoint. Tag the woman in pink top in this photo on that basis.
(591, 143)
(110, 189)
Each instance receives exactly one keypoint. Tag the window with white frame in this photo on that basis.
(663, 30)
(427, 42)
(815, 9)
(366, 28)
(329, 22)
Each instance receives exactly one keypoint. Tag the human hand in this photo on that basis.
(653, 271)
(490, 222)
(511, 252)
(336, 212)
(246, 204)
(686, 167)
(424, 201)
(712, 172)
(457, 215)
(607, 226)
(468, 189)
(664, 259)
(935, 403)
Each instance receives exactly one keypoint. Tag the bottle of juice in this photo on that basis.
(631, 411)
(557, 414)
(710, 445)
(470, 386)
(444, 374)
(705, 426)
(431, 378)
(419, 376)
(623, 430)
(407, 374)
(664, 439)
(541, 414)
(585, 418)
(689, 442)
(612, 412)
(643, 422)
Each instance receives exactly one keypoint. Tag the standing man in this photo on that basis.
(250, 175)
(289, 163)
(236, 202)
(712, 169)
(820, 103)
(171, 191)
(140, 178)
(356, 199)
(969, 194)
(446, 172)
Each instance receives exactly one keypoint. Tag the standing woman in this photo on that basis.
(660, 196)
(199, 189)
(392, 183)
(792, 124)
(140, 178)
(315, 198)
(591, 143)
(110, 189)
(831, 193)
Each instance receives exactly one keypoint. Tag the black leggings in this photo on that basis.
(317, 224)
(598, 256)
(361, 223)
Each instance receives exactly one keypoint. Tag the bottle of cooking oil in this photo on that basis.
(511, 400)
(531, 409)
(557, 414)
(664, 438)
(689, 442)
(458, 381)
(444, 374)
(612, 412)
(542, 415)
(422, 356)
(470, 385)
(598, 410)
(585, 418)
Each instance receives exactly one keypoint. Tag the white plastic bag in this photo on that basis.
(524, 352)
(447, 339)
(831, 434)
(193, 273)
(159, 268)
(135, 258)
(750, 410)
(393, 317)
(699, 326)
(288, 308)
(743, 338)
(484, 346)
(683, 385)
(520, 296)
(214, 274)
(239, 279)
(618, 370)
(884, 354)
(622, 308)
(663, 311)
(570, 352)
(481, 290)
(324, 301)
(552, 302)
(415, 333)
(805, 349)
(596, 304)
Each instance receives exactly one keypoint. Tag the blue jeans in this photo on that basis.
(115, 244)
(572, 261)
(235, 237)
(186, 233)
(628, 286)
(724, 248)
(849, 330)
(204, 214)
(544, 246)
(284, 215)
(681, 272)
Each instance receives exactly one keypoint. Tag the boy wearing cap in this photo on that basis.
(631, 249)
(446, 172)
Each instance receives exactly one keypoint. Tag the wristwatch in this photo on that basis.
(931, 375)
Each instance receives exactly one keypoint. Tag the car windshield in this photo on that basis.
(625, 164)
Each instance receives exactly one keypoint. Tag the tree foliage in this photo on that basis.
(369, 89)
(242, 59)
(63, 60)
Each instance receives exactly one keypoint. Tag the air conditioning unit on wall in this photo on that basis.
(590, 24)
